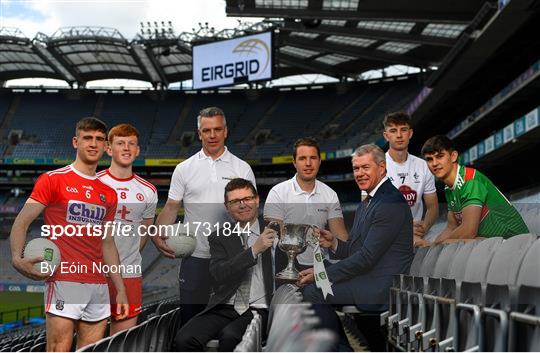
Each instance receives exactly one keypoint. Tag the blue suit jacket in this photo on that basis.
(380, 245)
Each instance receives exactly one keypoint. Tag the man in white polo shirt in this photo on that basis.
(305, 200)
(199, 182)
(410, 175)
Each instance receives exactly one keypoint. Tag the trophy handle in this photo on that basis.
(274, 225)
(312, 238)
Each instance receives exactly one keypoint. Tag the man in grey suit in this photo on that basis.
(380, 245)
(242, 274)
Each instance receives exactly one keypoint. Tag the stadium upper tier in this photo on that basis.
(78, 55)
(262, 123)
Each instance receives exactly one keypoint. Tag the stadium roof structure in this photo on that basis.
(81, 54)
(346, 37)
(339, 38)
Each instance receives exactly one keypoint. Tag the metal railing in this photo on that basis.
(19, 314)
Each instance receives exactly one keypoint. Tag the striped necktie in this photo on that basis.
(241, 300)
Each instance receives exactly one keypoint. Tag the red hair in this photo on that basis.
(123, 130)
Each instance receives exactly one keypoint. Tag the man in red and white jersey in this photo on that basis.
(77, 207)
(137, 199)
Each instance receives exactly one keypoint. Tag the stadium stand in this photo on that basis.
(261, 126)
(476, 295)
(469, 306)
(524, 322)
(30, 338)
(293, 330)
(45, 120)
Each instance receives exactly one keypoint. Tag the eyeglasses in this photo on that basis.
(237, 202)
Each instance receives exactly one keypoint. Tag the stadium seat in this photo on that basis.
(116, 342)
(149, 329)
(100, 346)
(286, 293)
(175, 323)
(445, 300)
(39, 347)
(428, 334)
(500, 283)
(252, 338)
(294, 320)
(412, 300)
(524, 324)
(161, 338)
(17, 347)
(134, 339)
(397, 311)
(469, 294)
(532, 219)
(25, 348)
(311, 341)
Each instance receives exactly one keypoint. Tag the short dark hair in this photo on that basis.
(306, 141)
(239, 183)
(438, 144)
(397, 118)
(90, 124)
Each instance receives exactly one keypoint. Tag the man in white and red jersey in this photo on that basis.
(71, 198)
(411, 176)
(137, 199)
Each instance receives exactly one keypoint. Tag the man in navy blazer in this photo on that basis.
(380, 245)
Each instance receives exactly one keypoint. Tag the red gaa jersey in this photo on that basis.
(72, 198)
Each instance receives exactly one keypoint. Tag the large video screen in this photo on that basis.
(233, 61)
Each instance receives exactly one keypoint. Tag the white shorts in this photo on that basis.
(78, 301)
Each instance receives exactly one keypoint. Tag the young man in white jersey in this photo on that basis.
(198, 182)
(305, 200)
(410, 175)
(76, 295)
(137, 200)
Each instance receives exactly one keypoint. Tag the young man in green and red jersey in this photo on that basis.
(475, 206)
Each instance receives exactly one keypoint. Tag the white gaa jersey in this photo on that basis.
(137, 200)
(413, 179)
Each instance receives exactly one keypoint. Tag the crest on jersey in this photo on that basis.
(140, 196)
(59, 305)
(409, 194)
(102, 198)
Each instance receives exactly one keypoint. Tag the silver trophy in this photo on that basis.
(293, 240)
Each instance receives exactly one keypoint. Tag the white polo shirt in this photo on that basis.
(287, 202)
(200, 182)
(413, 179)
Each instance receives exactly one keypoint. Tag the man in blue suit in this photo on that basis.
(380, 245)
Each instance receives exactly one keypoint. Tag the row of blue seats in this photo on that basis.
(49, 118)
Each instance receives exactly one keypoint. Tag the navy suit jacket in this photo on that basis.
(380, 245)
